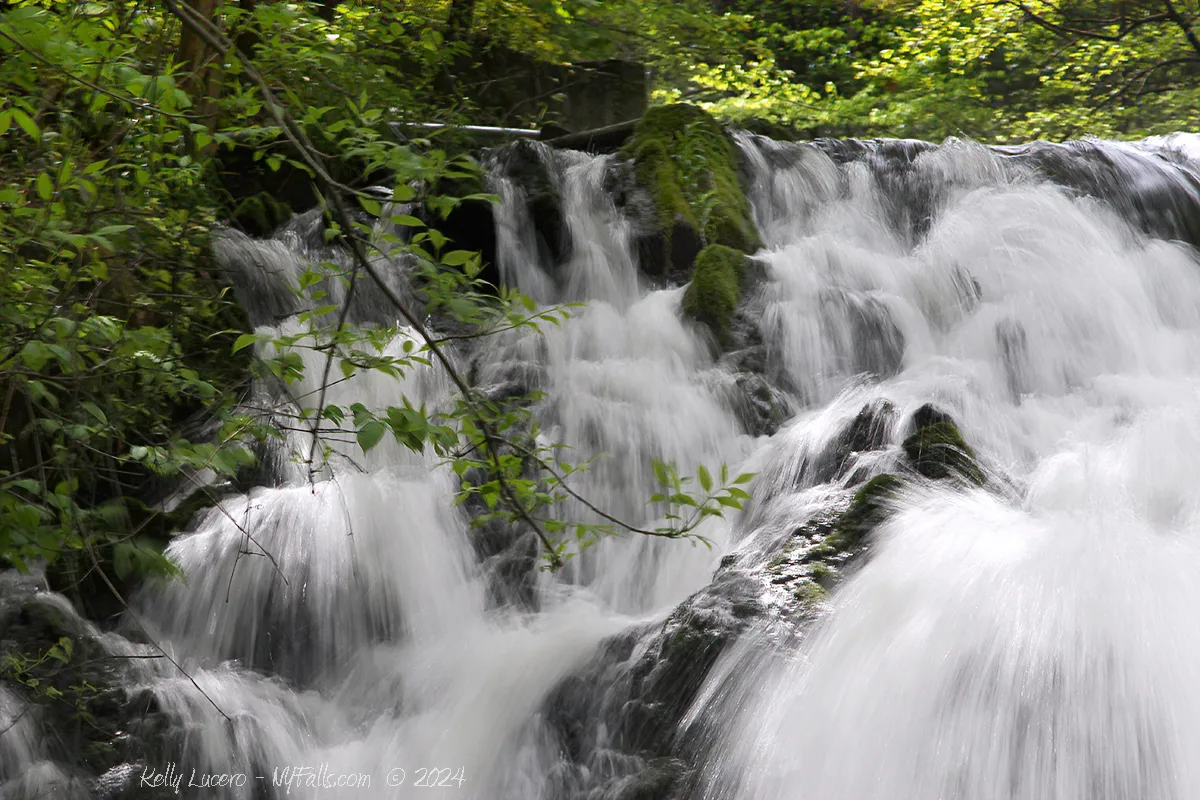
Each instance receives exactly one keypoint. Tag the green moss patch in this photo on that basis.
(716, 288)
(938, 451)
(261, 214)
(689, 165)
(867, 510)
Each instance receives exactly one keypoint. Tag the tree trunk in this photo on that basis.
(194, 52)
(458, 22)
(203, 64)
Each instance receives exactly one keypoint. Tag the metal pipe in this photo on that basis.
(480, 129)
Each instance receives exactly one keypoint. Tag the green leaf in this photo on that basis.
(45, 188)
(123, 560)
(28, 484)
(370, 434)
(95, 411)
(372, 207)
(705, 478)
(456, 258)
(109, 230)
(244, 341)
(35, 354)
(27, 124)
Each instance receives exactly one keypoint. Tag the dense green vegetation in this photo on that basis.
(131, 130)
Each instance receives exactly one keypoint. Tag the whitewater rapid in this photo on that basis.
(1035, 640)
(1029, 640)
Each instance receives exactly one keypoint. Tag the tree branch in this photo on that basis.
(1183, 24)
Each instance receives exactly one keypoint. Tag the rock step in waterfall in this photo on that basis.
(977, 364)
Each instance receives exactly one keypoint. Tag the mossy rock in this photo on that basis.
(937, 450)
(716, 288)
(261, 214)
(867, 510)
(686, 161)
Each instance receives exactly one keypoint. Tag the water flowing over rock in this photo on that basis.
(966, 380)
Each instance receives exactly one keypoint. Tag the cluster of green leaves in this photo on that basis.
(994, 71)
(116, 326)
(109, 314)
(31, 672)
(507, 472)
(684, 511)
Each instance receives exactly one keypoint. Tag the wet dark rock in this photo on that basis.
(523, 162)
(867, 510)
(760, 403)
(469, 224)
(77, 685)
(927, 415)
(1013, 345)
(760, 407)
(1154, 193)
(509, 559)
(684, 244)
(261, 214)
(686, 164)
(262, 198)
(869, 430)
(631, 700)
(937, 450)
(667, 677)
(658, 780)
(874, 344)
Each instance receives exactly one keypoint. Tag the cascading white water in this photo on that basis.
(1027, 640)
(1034, 643)
(355, 580)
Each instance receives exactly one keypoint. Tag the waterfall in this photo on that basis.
(1024, 639)
(1032, 641)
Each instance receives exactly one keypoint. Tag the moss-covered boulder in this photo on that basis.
(715, 288)
(937, 450)
(868, 508)
(261, 214)
(686, 161)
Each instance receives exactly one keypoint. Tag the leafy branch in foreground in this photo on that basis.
(115, 375)
(485, 431)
